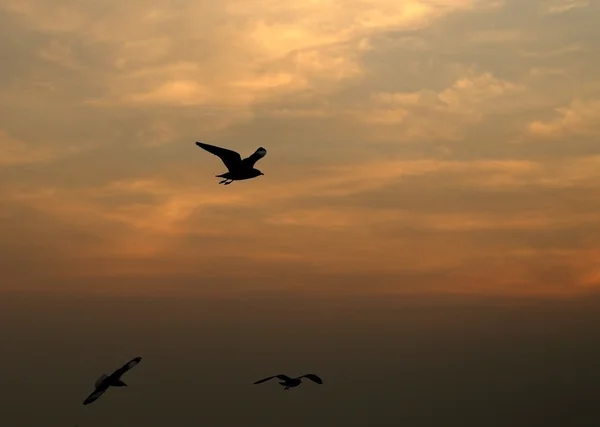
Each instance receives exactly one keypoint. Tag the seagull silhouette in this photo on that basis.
(288, 382)
(238, 169)
(113, 380)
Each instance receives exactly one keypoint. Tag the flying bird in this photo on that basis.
(288, 382)
(237, 169)
(113, 380)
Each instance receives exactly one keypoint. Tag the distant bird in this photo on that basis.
(288, 382)
(105, 381)
(238, 169)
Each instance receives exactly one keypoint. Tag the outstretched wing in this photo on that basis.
(95, 395)
(313, 377)
(280, 376)
(127, 367)
(230, 158)
(98, 382)
(264, 379)
(255, 157)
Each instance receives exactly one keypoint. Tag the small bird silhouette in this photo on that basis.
(288, 382)
(113, 380)
(238, 169)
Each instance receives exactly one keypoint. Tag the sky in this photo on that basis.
(432, 174)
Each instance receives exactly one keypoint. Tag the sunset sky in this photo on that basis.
(418, 151)
(413, 146)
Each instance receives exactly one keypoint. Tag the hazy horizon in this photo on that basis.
(384, 361)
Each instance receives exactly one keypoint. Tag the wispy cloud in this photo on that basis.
(562, 6)
(579, 117)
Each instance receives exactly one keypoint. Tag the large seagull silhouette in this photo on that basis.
(237, 169)
(113, 380)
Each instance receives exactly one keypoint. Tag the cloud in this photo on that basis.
(579, 117)
(391, 130)
(562, 6)
(467, 100)
(13, 151)
(286, 48)
(564, 50)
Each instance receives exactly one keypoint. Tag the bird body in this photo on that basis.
(238, 169)
(288, 382)
(113, 380)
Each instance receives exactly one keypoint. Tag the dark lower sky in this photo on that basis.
(385, 361)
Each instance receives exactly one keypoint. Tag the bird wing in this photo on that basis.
(230, 158)
(313, 377)
(99, 380)
(264, 379)
(280, 376)
(283, 377)
(95, 395)
(126, 367)
(255, 157)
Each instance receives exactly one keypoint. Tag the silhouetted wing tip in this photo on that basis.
(133, 362)
(259, 154)
(93, 397)
(314, 378)
(230, 158)
(255, 157)
(129, 365)
(263, 380)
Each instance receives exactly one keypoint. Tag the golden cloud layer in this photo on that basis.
(414, 146)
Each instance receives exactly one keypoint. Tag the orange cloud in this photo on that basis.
(580, 117)
(390, 127)
(443, 115)
(562, 6)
